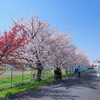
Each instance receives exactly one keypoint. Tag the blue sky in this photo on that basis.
(81, 18)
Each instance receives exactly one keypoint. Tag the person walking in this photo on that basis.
(75, 72)
(57, 74)
(79, 71)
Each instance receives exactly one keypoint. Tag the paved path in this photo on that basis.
(87, 87)
(15, 73)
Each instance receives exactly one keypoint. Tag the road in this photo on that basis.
(8, 74)
(87, 87)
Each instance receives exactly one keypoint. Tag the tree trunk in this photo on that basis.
(39, 72)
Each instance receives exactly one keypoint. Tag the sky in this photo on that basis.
(80, 18)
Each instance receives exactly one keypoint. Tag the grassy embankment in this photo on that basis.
(27, 83)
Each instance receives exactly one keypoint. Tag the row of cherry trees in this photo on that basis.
(33, 43)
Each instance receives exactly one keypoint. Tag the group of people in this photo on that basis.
(57, 74)
(78, 70)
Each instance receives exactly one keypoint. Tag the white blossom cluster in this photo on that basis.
(48, 47)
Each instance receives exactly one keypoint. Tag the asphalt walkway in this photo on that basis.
(87, 87)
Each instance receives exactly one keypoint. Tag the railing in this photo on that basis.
(73, 67)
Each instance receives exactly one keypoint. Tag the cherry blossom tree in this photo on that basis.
(46, 47)
(59, 49)
(81, 58)
(36, 52)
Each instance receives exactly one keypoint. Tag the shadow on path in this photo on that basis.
(59, 90)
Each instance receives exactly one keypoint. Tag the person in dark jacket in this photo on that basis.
(75, 72)
(57, 74)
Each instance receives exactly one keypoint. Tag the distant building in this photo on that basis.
(7, 66)
(96, 64)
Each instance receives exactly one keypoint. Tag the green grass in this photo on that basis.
(2, 69)
(5, 80)
(19, 87)
(98, 72)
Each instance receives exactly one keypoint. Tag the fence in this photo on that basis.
(73, 67)
(14, 77)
